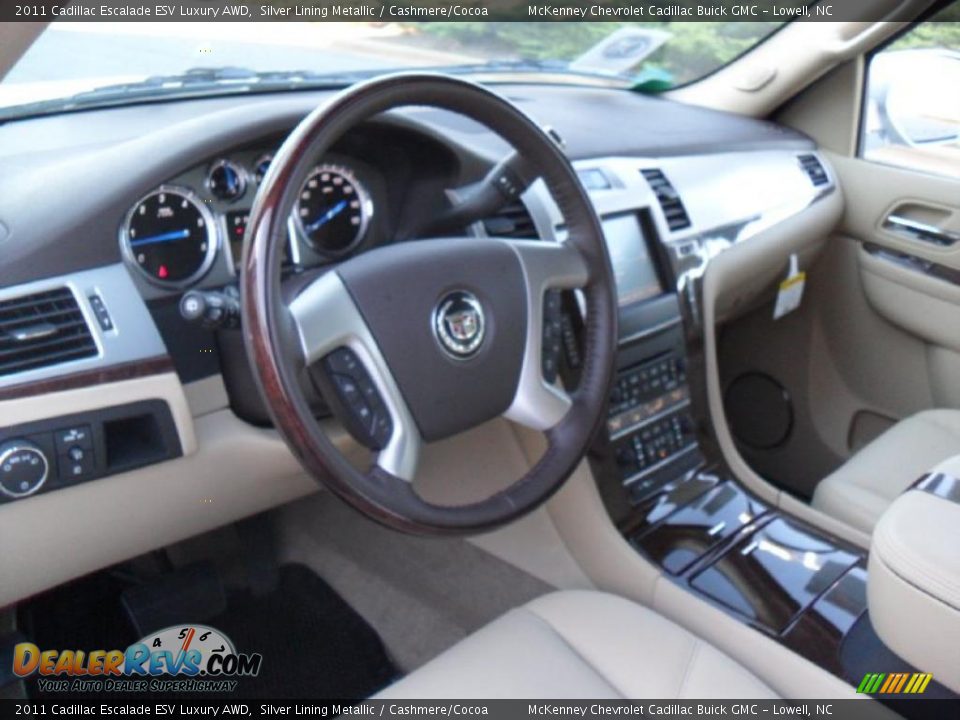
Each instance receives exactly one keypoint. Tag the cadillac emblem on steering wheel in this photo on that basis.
(458, 323)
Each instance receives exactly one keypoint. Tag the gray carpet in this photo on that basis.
(421, 594)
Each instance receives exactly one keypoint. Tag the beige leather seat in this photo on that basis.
(863, 487)
(581, 644)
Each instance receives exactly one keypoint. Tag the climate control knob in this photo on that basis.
(23, 468)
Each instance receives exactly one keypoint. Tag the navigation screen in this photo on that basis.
(633, 267)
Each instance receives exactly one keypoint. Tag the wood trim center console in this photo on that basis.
(680, 508)
(782, 577)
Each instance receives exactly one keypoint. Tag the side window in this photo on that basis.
(912, 105)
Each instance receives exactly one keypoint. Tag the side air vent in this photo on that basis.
(512, 221)
(670, 203)
(44, 329)
(814, 170)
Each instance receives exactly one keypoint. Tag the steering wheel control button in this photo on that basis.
(459, 324)
(23, 468)
(78, 436)
(350, 394)
(571, 346)
(382, 428)
(552, 336)
(367, 416)
(343, 361)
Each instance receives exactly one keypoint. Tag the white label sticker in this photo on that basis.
(791, 291)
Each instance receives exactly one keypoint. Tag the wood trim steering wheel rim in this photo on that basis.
(268, 324)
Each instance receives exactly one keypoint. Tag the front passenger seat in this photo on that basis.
(580, 644)
(862, 488)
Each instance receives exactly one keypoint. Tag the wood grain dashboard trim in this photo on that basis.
(113, 373)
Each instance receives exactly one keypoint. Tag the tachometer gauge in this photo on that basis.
(334, 209)
(170, 237)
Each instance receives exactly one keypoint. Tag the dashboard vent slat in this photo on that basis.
(811, 165)
(512, 221)
(43, 329)
(668, 199)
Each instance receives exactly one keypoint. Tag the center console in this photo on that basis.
(915, 573)
(648, 436)
(677, 504)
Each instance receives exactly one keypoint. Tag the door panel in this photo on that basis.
(875, 192)
(902, 290)
(877, 337)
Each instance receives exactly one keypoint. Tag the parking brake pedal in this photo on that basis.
(192, 594)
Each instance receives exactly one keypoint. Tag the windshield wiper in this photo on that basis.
(193, 82)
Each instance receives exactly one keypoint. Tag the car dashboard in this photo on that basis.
(110, 217)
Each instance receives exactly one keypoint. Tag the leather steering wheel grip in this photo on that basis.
(269, 325)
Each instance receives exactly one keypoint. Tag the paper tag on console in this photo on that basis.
(791, 290)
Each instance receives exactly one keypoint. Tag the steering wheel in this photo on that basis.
(434, 336)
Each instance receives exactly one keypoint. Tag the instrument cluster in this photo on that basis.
(186, 231)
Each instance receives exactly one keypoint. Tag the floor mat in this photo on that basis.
(422, 594)
(313, 643)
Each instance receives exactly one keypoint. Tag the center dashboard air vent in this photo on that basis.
(42, 329)
(668, 198)
(812, 166)
(512, 221)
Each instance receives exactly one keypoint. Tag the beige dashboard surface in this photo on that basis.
(229, 470)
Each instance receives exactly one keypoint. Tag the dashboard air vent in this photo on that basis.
(670, 203)
(43, 329)
(512, 221)
(814, 170)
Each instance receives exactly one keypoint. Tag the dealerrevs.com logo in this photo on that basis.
(182, 658)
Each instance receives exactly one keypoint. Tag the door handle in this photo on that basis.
(920, 231)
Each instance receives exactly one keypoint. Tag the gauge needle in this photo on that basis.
(327, 216)
(164, 237)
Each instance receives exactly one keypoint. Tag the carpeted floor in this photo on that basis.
(386, 604)
(313, 644)
(421, 594)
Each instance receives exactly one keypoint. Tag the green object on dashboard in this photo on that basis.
(652, 81)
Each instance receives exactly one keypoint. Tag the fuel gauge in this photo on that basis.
(170, 237)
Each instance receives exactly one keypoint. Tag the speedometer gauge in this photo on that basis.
(170, 237)
(334, 209)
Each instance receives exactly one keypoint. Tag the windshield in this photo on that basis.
(72, 63)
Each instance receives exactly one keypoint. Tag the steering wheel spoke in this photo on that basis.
(326, 320)
(540, 403)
